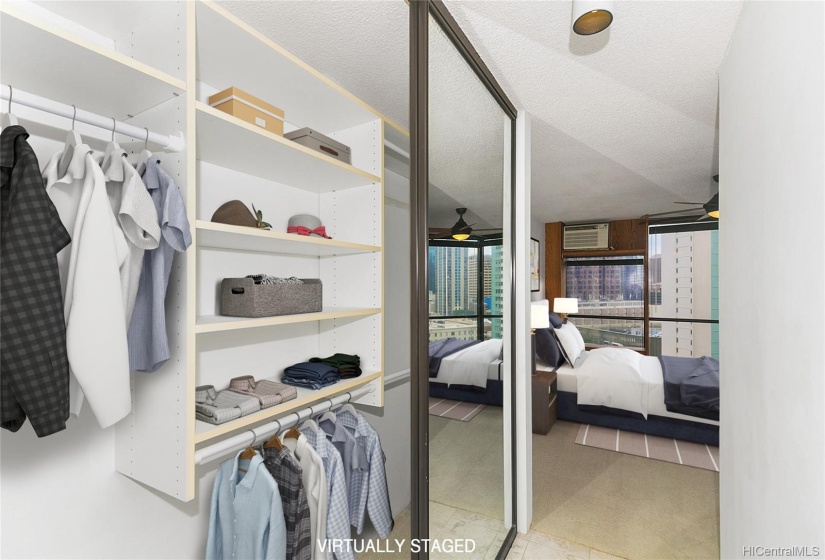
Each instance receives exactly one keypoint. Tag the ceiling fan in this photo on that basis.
(461, 231)
(711, 207)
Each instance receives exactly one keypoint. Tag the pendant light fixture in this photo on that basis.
(592, 16)
(461, 231)
(712, 206)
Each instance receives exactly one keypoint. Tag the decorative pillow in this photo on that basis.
(578, 335)
(568, 343)
(547, 349)
(555, 320)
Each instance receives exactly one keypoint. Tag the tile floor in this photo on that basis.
(451, 523)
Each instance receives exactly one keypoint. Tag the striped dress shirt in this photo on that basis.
(288, 474)
(368, 492)
(337, 504)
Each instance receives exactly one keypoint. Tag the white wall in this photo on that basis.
(772, 256)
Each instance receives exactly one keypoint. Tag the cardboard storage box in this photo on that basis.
(242, 297)
(320, 143)
(240, 104)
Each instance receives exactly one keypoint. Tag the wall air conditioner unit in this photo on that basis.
(586, 237)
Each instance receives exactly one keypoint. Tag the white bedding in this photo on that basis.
(470, 366)
(651, 371)
(612, 377)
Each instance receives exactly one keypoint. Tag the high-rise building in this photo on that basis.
(451, 280)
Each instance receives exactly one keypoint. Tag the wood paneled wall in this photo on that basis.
(626, 237)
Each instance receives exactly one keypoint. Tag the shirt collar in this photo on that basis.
(7, 142)
(205, 394)
(248, 479)
(76, 170)
(242, 383)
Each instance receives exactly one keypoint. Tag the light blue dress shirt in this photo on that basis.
(148, 342)
(368, 492)
(337, 504)
(247, 518)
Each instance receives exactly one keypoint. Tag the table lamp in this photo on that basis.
(563, 305)
(539, 319)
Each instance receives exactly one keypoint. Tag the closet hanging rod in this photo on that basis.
(259, 434)
(396, 148)
(170, 143)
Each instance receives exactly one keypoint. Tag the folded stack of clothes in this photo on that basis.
(348, 365)
(267, 393)
(244, 396)
(310, 375)
(218, 407)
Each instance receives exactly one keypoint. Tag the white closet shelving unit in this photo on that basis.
(156, 68)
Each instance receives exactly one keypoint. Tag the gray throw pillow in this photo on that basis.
(547, 349)
(555, 320)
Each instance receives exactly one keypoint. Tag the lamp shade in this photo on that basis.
(592, 16)
(540, 314)
(565, 305)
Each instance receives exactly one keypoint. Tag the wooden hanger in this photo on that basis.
(247, 454)
(293, 432)
(274, 442)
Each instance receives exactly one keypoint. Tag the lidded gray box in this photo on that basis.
(316, 141)
(242, 297)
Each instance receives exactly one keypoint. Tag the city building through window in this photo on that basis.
(466, 295)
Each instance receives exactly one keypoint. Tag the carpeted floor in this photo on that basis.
(622, 504)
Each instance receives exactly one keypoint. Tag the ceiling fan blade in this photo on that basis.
(705, 217)
(698, 203)
(671, 212)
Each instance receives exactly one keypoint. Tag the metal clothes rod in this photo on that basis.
(254, 435)
(396, 376)
(396, 148)
(169, 142)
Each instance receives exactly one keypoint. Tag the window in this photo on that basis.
(684, 300)
(466, 300)
(610, 291)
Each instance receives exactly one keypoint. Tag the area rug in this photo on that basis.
(669, 450)
(455, 410)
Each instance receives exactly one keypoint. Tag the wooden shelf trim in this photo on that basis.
(284, 145)
(218, 323)
(225, 236)
(205, 431)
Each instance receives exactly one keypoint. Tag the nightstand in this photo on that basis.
(545, 405)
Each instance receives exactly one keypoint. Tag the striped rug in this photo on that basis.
(653, 447)
(455, 410)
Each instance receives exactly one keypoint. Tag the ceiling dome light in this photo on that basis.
(592, 16)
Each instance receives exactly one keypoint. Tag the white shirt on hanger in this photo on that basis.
(90, 276)
(315, 486)
(135, 212)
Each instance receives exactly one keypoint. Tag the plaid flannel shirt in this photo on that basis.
(268, 393)
(289, 476)
(34, 361)
(219, 407)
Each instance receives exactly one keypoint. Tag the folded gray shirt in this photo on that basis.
(219, 407)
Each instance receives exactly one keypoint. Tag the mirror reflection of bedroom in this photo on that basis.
(466, 284)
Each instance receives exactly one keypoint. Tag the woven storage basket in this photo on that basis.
(242, 297)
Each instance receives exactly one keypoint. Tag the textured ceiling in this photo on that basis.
(624, 122)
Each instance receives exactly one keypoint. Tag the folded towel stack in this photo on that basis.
(310, 375)
(348, 365)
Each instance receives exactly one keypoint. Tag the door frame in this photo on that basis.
(420, 10)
